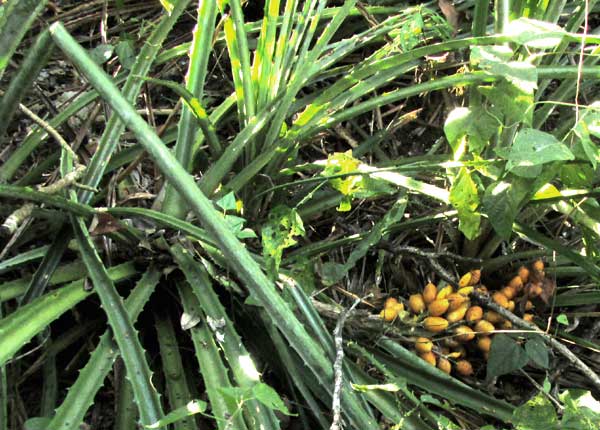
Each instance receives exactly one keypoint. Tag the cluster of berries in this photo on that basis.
(448, 314)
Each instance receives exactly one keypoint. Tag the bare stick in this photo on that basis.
(338, 366)
(50, 130)
(15, 219)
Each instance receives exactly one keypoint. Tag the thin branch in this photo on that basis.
(50, 130)
(338, 366)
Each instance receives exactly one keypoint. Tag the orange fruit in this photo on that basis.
(464, 368)
(438, 307)
(501, 299)
(509, 292)
(444, 365)
(422, 345)
(435, 324)
(493, 317)
(484, 343)
(456, 300)
(465, 291)
(390, 302)
(528, 305)
(444, 292)
(484, 326)
(511, 306)
(474, 313)
(428, 357)
(416, 303)
(528, 317)
(535, 290)
(464, 333)
(538, 265)
(458, 352)
(465, 280)
(429, 293)
(524, 274)
(516, 283)
(389, 314)
(458, 314)
(475, 277)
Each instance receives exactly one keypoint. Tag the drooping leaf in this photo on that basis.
(126, 52)
(477, 126)
(510, 101)
(533, 148)
(227, 202)
(537, 351)
(535, 34)
(501, 202)
(465, 198)
(588, 126)
(487, 55)
(192, 408)
(506, 356)
(102, 53)
(269, 397)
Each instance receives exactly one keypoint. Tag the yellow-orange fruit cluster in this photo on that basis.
(467, 327)
(391, 309)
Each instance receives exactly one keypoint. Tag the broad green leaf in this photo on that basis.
(465, 198)
(234, 395)
(506, 356)
(227, 202)
(537, 351)
(562, 319)
(486, 56)
(537, 414)
(576, 175)
(501, 202)
(477, 126)
(523, 76)
(102, 53)
(588, 126)
(509, 101)
(533, 148)
(126, 52)
(534, 34)
(582, 411)
(332, 272)
(192, 408)
(547, 386)
(269, 397)
(278, 233)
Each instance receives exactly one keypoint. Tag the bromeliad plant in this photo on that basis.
(269, 159)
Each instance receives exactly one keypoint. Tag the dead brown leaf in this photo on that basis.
(450, 12)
